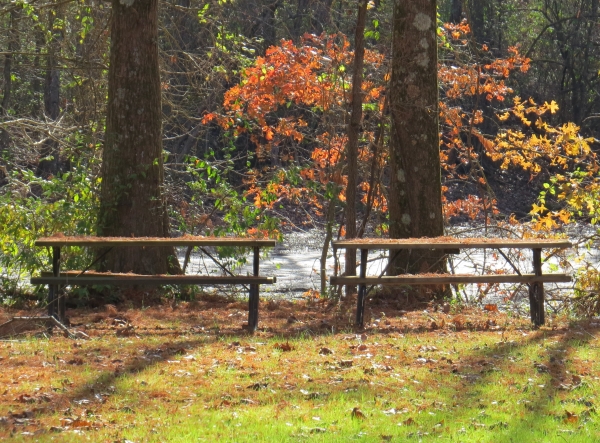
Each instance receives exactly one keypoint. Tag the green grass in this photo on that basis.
(174, 385)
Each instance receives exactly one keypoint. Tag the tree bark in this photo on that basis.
(456, 11)
(50, 153)
(13, 44)
(132, 203)
(415, 200)
(353, 132)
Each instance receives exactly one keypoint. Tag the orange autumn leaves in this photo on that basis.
(525, 140)
(287, 100)
(274, 95)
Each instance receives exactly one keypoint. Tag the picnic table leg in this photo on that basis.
(53, 289)
(362, 289)
(536, 291)
(254, 294)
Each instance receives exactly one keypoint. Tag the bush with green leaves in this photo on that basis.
(33, 207)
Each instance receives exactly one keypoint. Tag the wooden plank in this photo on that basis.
(449, 278)
(135, 279)
(154, 241)
(451, 243)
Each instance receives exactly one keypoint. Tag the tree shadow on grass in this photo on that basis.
(469, 374)
(479, 368)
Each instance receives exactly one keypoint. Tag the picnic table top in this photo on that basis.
(452, 243)
(187, 240)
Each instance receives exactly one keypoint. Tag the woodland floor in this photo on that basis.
(190, 372)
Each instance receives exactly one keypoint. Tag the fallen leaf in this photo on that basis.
(325, 351)
(283, 347)
(571, 417)
(357, 413)
(258, 386)
(346, 363)
(491, 307)
(318, 430)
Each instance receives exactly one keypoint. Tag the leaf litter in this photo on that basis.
(403, 364)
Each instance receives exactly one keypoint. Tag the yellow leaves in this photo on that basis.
(552, 106)
(504, 117)
(545, 223)
(564, 216)
(540, 124)
(538, 209)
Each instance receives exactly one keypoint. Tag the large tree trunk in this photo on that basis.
(353, 132)
(415, 200)
(131, 199)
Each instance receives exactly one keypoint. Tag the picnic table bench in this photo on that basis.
(56, 305)
(453, 245)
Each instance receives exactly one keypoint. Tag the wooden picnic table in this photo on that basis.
(454, 245)
(56, 305)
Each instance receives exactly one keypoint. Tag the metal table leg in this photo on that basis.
(362, 289)
(53, 306)
(254, 294)
(536, 292)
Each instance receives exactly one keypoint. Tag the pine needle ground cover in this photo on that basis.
(192, 374)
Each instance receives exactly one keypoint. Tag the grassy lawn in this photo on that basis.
(191, 374)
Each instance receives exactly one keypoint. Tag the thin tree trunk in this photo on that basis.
(13, 42)
(49, 165)
(132, 202)
(13, 45)
(456, 11)
(325, 249)
(353, 132)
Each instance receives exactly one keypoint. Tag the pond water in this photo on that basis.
(296, 263)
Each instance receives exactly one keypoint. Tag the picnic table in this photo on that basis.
(453, 245)
(56, 305)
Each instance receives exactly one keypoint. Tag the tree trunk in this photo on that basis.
(415, 199)
(321, 18)
(352, 145)
(456, 11)
(49, 165)
(132, 203)
(13, 44)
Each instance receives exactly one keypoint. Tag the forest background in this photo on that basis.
(256, 100)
